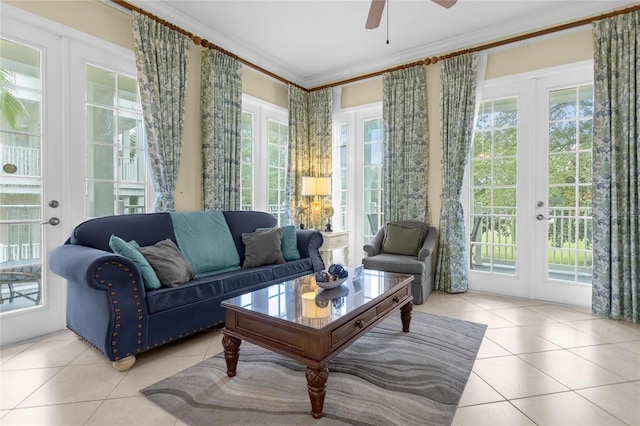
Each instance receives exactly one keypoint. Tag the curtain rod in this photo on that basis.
(427, 61)
(204, 42)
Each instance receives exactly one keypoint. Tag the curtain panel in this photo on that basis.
(616, 167)
(406, 145)
(457, 99)
(162, 56)
(221, 117)
(310, 148)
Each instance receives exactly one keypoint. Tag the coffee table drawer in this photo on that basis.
(390, 302)
(348, 330)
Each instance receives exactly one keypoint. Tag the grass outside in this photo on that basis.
(504, 251)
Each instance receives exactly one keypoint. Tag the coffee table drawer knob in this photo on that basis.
(396, 299)
(360, 324)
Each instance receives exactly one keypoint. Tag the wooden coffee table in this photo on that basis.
(300, 321)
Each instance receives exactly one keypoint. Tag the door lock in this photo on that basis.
(540, 217)
(53, 221)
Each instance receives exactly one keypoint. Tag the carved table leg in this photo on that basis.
(317, 385)
(405, 315)
(231, 352)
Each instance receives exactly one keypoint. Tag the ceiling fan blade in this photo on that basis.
(375, 14)
(445, 3)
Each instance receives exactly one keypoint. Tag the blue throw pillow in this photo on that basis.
(289, 245)
(130, 251)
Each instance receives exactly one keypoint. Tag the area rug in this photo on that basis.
(386, 377)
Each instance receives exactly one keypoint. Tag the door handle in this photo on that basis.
(541, 217)
(53, 221)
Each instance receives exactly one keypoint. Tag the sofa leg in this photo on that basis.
(125, 363)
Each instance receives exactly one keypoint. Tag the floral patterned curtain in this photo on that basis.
(221, 113)
(616, 167)
(162, 56)
(406, 145)
(457, 99)
(310, 149)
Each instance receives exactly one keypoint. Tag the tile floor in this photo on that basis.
(539, 363)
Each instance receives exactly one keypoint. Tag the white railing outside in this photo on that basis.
(26, 160)
(13, 252)
(129, 169)
(493, 242)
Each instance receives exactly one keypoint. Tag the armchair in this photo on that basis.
(406, 247)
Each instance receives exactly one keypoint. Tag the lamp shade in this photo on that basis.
(323, 186)
(316, 185)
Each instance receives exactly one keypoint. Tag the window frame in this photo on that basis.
(263, 112)
(354, 117)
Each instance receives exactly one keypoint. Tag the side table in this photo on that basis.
(334, 241)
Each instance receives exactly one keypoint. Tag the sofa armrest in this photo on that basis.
(105, 299)
(429, 245)
(309, 243)
(374, 246)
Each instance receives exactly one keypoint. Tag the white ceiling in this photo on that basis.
(313, 42)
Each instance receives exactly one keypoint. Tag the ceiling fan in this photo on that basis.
(377, 6)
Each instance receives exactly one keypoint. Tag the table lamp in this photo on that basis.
(316, 187)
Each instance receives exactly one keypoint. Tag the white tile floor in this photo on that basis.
(539, 364)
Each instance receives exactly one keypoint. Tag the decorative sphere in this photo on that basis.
(338, 271)
(323, 277)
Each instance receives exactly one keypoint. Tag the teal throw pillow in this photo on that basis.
(289, 246)
(402, 239)
(130, 251)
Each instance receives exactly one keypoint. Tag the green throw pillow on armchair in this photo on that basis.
(402, 239)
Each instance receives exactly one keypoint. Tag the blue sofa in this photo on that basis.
(109, 306)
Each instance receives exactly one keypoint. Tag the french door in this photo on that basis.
(529, 187)
(75, 152)
(32, 198)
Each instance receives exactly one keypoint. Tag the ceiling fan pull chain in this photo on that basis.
(388, 4)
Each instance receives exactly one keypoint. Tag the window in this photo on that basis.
(116, 153)
(358, 154)
(264, 135)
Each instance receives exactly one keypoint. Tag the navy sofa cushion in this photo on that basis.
(146, 228)
(206, 288)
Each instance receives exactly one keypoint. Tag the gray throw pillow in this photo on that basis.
(262, 247)
(402, 239)
(170, 265)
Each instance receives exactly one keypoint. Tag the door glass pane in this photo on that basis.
(246, 161)
(277, 149)
(20, 177)
(493, 187)
(373, 154)
(340, 197)
(570, 224)
(116, 166)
